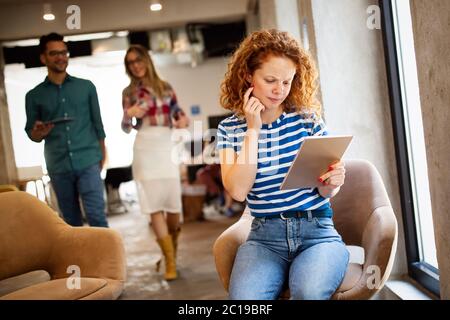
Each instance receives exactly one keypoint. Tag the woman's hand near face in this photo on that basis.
(252, 110)
(136, 111)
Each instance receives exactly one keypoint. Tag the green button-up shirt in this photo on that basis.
(70, 145)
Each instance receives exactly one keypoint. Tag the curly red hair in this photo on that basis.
(249, 56)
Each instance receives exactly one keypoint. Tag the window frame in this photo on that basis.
(422, 272)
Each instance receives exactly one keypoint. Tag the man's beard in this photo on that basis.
(58, 69)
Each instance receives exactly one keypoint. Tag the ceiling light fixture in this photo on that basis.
(155, 5)
(89, 36)
(121, 33)
(48, 14)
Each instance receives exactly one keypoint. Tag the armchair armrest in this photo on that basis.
(227, 244)
(379, 241)
(98, 252)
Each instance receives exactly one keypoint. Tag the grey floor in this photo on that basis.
(197, 280)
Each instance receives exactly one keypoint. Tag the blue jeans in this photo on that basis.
(306, 253)
(88, 185)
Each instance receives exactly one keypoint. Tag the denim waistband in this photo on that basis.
(326, 213)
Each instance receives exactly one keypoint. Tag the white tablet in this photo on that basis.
(313, 159)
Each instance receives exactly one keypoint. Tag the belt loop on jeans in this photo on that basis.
(309, 215)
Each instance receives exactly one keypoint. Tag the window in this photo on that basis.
(410, 143)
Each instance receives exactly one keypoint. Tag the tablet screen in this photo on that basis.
(313, 159)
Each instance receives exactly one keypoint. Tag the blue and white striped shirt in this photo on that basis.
(278, 144)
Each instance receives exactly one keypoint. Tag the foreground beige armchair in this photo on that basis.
(362, 215)
(33, 237)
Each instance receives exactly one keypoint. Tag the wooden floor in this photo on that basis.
(197, 280)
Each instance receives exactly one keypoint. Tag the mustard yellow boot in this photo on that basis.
(174, 236)
(167, 249)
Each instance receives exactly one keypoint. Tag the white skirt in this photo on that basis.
(155, 172)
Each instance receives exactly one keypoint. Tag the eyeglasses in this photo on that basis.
(55, 53)
(137, 60)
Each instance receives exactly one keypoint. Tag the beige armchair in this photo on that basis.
(362, 215)
(33, 238)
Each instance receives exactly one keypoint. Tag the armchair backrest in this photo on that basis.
(28, 230)
(362, 193)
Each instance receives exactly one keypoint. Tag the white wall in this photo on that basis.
(198, 86)
(354, 91)
(281, 15)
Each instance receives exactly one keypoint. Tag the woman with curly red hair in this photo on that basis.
(271, 86)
